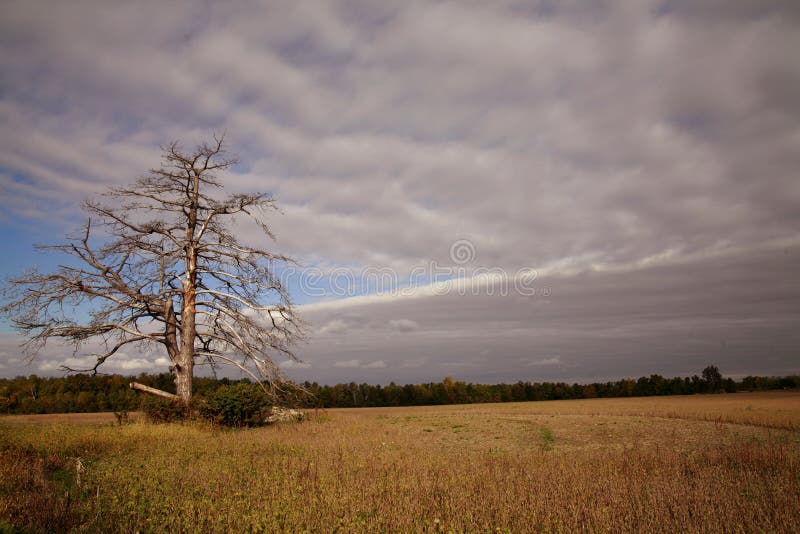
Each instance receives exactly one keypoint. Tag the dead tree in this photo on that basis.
(158, 264)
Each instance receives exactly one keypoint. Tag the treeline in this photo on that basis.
(450, 391)
(86, 393)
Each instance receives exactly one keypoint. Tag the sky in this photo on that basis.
(492, 191)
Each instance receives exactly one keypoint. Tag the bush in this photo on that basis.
(237, 405)
(160, 410)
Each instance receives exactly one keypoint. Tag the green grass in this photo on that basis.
(547, 438)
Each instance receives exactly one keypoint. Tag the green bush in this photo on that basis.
(237, 405)
(160, 410)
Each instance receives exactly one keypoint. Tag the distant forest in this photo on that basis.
(86, 393)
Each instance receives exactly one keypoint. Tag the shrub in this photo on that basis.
(160, 410)
(237, 405)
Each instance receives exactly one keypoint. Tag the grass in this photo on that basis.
(547, 438)
(692, 464)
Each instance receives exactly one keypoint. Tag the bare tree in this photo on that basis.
(166, 270)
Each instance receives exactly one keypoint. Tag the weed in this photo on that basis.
(547, 438)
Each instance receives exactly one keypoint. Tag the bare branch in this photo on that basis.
(158, 264)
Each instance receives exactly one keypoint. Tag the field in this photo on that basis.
(710, 463)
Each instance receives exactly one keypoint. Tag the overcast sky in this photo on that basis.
(627, 171)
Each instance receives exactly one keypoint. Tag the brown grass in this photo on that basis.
(98, 418)
(723, 463)
(31, 497)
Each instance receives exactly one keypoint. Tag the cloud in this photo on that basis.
(413, 363)
(132, 364)
(581, 150)
(403, 325)
(646, 140)
(122, 363)
(555, 360)
(347, 364)
(336, 326)
(733, 310)
(294, 364)
(667, 318)
(357, 364)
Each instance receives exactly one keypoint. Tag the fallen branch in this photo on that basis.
(153, 391)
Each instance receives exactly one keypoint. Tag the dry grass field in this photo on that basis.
(712, 463)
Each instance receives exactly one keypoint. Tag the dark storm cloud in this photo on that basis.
(738, 311)
(555, 135)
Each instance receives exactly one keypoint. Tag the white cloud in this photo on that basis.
(132, 364)
(73, 362)
(403, 325)
(49, 366)
(357, 364)
(336, 326)
(681, 123)
(547, 362)
(643, 139)
(122, 362)
(294, 364)
(413, 363)
(347, 364)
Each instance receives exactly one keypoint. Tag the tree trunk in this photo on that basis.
(183, 380)
(182, 355)
(185, 366)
